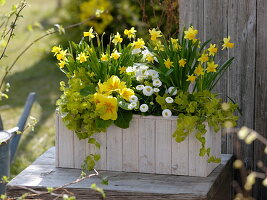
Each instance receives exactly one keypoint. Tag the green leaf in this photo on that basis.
(124, 118)
(93, 141)
(104, 181)
(98, 189)
(89, 163)
(96, 157)
(89, 89)
(102, 124)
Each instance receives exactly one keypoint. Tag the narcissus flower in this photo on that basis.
(89, 34)
(82, 57)
(191, 78)
(62, 55)
(106, 106)
(122, 70)
(61, 64)
(203, 58)
(126, 93)
(130, 33)
(117, 39)
(211, 66)
(104, 57)
(227, 43)
(175, 44)
(115, 55)
(199, 70)
(182, 62)
(139, 44)
(56, 50)
(168, 64)
(212, 50)
(154, 34)
(191, 33)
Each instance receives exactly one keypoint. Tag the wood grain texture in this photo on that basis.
(42, 174)
(79, 148)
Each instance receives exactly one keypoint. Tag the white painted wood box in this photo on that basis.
(147, 147)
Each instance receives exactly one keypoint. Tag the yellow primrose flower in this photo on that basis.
(175, 43)
(122, 70)
(150, 58)
(227, 43)
(115, 55)
(154, 34)
(191, 78)
(112, 84)
(104, 57)
(126, 93)
(211, 66)
(182, 62)
(61, 64)
(106, 106)
(191, 33)
(168, 64)
(55, 50)
(89, 34)
(199, 70)
(212, 50)
(203, 58)
(62, 55)
(139, 44)
(130, 33)
(117, 39)
(82, 57)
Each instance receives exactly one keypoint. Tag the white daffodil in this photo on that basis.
(136, 51)
(148, 90)
(172, 91)
(156, 89)
(166, 113)
(133, 98)
(144, 108)
(169, 100)
(140, 87)
(157, 83)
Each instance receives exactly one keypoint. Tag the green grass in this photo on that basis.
(36, 72)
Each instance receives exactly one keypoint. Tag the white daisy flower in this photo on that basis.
(169, 100)
(156, 89)
(144, 108)
(132, 105)
(153, 73)
(157, 83)
(172, 91)
(148, 90)
(133, 98)
(140, 87)
(166, 113)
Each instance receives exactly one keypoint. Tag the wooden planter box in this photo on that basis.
(147, 147)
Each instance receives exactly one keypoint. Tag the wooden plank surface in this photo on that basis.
(122, 185)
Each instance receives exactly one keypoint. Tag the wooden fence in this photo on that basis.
(246, 82)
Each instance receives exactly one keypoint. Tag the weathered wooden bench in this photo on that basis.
(43, 173)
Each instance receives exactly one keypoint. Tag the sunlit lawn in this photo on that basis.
(35, 72)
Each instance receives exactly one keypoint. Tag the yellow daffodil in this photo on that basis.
(130, 33)
(212, 50)
(139, 44)
(203, 58)
(175, 44)
(112, 84)
(61, 64)
(106, 106)
(115, 55)
(117, 39)
(191, 78)
(182, 62)
(122, 70)
(159, 46)
(227, 43)
(82, 57)
(126, 93)
(191, 33)
(168, 64)
(62, 55)
(199, 70)
(211, 66)
(89, 34)
(154, 34)
(55, 50)
(150, 58)
(104, 57)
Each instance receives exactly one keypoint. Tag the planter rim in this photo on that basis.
(5, 137)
